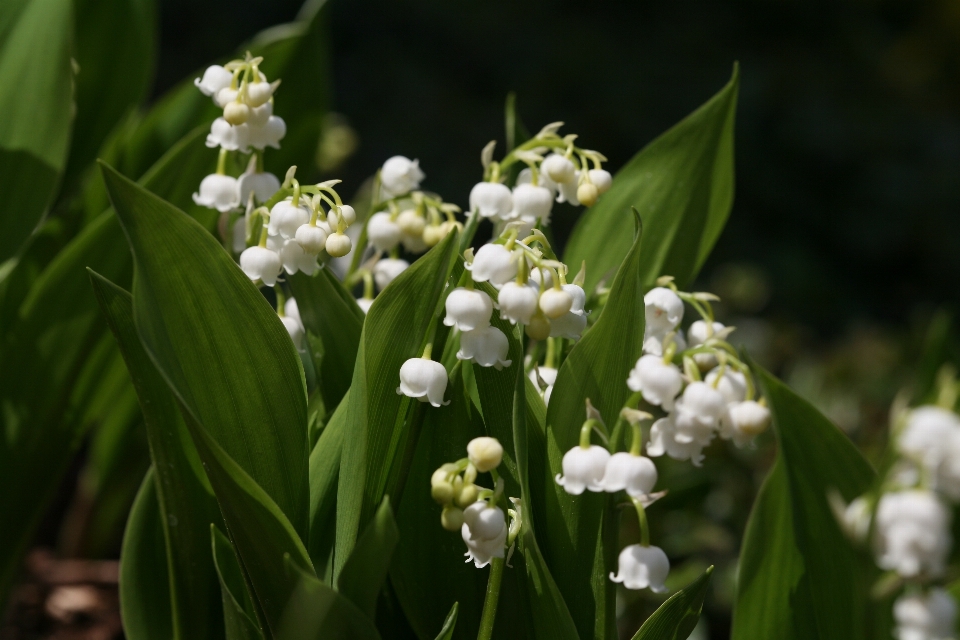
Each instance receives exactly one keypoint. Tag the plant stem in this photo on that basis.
(490, 601)
(644, 527)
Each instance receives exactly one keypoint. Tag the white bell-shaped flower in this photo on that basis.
(260, 263)
(286, 218)
(601, 179)
(485, 453)
(655, 343)
(583, 469)
(732, 385)
(567, 191)
(518, 302)
(485, 540)
(491, 200)
(236, 113)
(659, 382)
(913, 533)
(664, 310)
(744, 421)
(635, 474)
(663, 440)
(925, 616)
(261, 185)
(383, 232)
(697, 413)
(639, 567)
(698, 333)
(855, 519)
(532, 202)
(260, 116)
(423, 379)
(386, 271)
(579, 297)
(549, 376)
(214, 79)
(365, 304)
(226, 136)
(411, 223)
(338, 244)
(555, 302)
(494, 264)
(559, 168)
(348, 213)
(292, 309)
(295, 329)
(927, 429)
(259, 92)
(468, 309)
(400, 175)
(570, 326)
(269, 134)
(526, 177)
(311, 239)
(294, 259)
(218, 192)
(225, 96)
(487, 346)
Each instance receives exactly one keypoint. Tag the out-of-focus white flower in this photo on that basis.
(555, 302)
(411, 223)
(292, 309)
(732, 385)
(295, 329)
(218, 192)
(587, 194)
(659, 382)
(518, 302)
(655, 343)
(664, 310)
(286, 218)
(744, 421)
(549, 376)
(698, 333)
(468, 309)
(663, 440)
(260, 263)
(311, 239)
(294, 259)
(214, 79)
(487, 346)
(532, 202)
(493, 263)
(260, 116)
(423, 379)
(267, 135)
(526, 177)
(262, 185)
(697, 413)
(365, 304)
(583, 469)
(386, 271)
(854, 518)
(400, 175)
(568, 190)
(226, 136)
(485, 453)
(383, 232)
(484, 531)
(912, 533)
(931, 437)
(259, 92)
(602, 179)
(636, 474)
(570, 326)
(559, 168)
(640, 567)
(491, 199)
(929, 616)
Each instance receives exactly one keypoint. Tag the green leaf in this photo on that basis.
(449, 624)
(799, 576)
(682, 184)
(317, 612)
(330, 313)
(578, 542)
(366, 568)
(676, 618)
(144, 600)
(185, 498)
(324, 475)
(238, 609)
(36, 101)
(219, 345)
(373, 464)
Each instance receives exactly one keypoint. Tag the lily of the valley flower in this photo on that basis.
(698, 412)
(601, 179)
(640, 567)
(532, 202)
(635, 474)
(218, 192)
(468, 309)
(743, 421)
(570, 326)
(386, 271)
(663, 440)
(484, 531)
(400, 175)
(925, 616)
(518, 302)
(261, 185)
(295, 329)
(383, 232)
(311, 238)
(559, 168)
(491, 200)
(487, 346)
(286, 218)
(294, 258)
(493, 263)
(214, 79)
(260, 263)
(583, 468)
(555, 302)
(423, 379)
(659, 382)
(549, 377)
(485, 453)
(664, 310)
(913, 533)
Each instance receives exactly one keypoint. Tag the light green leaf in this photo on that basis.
(578, 542)
(219, 345)
(36, 101)
(676, 618)
(144, 600)
(682, 184)
(185, 498)
(366, 568)
(238, 609)
(449, 624)
(799, 576)
(373, 462)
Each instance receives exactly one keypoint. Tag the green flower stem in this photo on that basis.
(637, 442)
(644, 527)
(222, 162)
(490, 601)
(281, 299)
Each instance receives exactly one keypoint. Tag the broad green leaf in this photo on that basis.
(219, 345)
(185, 498)
(682, 184)
(260, 532)
(363, 574)
(317, 612)
(676, 618)
(324, 474)
(238, 610)
(578, 543)
(144, 599)
(799, 576)
(373, 453)
(36, 101)
(446, 632)
(330, 313)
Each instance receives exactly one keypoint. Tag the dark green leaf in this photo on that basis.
(676, 618)
(799, 576)
(366, 568)
(219, 345)
(446, 632)
(682, 184)
(324, 474)
(238, 609)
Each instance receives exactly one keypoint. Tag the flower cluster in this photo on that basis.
(712, 394)
(474, 510)
(907, 519)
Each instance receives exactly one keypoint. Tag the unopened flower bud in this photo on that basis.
(311, 239)
(485, 453)
(587, 194)
(383, 232)
(411, 223)
(559, 168)
(259, 92)
(433, 234)
(601, 179)
(442, 492)
(236, 113)
(555, 302)
(338, 245)
(467, 496)
(348, 214)
(451, 518)
(539, 327)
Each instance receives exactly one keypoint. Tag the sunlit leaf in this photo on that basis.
(676, 618)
